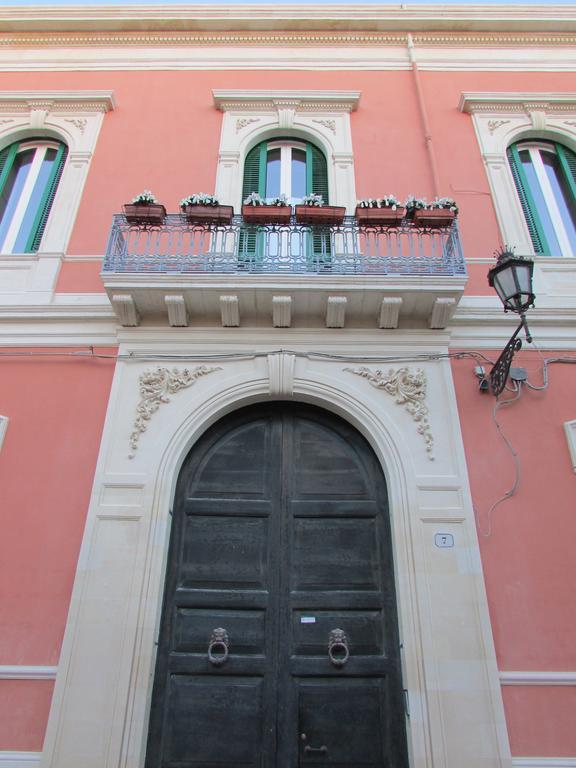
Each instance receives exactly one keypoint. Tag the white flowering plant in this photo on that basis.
(415, 203)
(444, 202)
(199, 198)
(313, 199)
(388, 201)
(279, 201)
(144, 198)
(255, 199)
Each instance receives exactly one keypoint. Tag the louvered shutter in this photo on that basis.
(317, 181)
(568, 164)
(47, 199)
(254, 181)
(527, 202)
(6, 161)
(3, 158)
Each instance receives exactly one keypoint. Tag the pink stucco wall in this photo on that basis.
(528, 558)
(165, 134)
(56, 406)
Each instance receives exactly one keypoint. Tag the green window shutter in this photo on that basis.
(527, 202)
(254, 181)
(316, 173)
(568, 163)
(317, 181)
(6, 161)
(255, 171)
(4, 166)
(37, 231)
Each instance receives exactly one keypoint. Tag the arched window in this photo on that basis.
(293, 168)
(545, 176)
(285, 166)
(29, 174)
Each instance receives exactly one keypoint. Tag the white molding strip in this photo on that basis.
(570, 429)
(538, 678)
(21, 672)
(20, 759)
(3, 428)
(544, 762)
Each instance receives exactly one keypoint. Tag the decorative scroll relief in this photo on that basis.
(408, 388)
(493, 125)
(155, 386)
(330, 124)
(243, 122)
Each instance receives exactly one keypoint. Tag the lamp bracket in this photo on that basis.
(501, 368)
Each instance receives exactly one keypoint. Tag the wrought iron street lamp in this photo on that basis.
(511, 278)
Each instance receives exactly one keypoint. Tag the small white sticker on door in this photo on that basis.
(307, 619)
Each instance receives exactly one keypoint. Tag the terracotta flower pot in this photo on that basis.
(379, 217)
(266, 214)
(208, 214)
(152, 214)
(433, 217)
(320, 216)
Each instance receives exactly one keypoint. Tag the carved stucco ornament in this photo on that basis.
(493, 125)
(408, 388)
(245, 121)
(155, 386)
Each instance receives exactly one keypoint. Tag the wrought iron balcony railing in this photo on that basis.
(178, 247)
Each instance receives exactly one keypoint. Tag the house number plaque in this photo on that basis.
(443, 540)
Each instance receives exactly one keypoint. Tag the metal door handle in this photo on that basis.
(338, 649)
(315, 750)
(219, 642)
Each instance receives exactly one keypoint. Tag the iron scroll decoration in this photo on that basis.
(218, 647)
(338, 648)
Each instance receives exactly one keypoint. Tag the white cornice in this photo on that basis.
(350, 17)
(62, 101)
(495, 101)
(305, 101)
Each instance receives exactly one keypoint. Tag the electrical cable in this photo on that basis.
(497, 405)
(222, 356)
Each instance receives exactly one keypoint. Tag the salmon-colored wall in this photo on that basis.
(528, 558)
(165, 132)
(24, 709)
(164, 135)
(56, 408)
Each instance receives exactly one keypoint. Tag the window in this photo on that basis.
(295, 169)
(545, 176)
(285, 167)
(29, 174)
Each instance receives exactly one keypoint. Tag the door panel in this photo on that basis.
(280, 536)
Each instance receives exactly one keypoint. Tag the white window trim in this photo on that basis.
(75, 118)
(502, 119)
(286, 148)
(322, 117)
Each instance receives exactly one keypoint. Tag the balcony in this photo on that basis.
(283, 276)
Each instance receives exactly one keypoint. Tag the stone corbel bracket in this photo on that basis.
(408, 388)
(155, 388)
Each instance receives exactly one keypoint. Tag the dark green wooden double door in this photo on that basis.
(280, 537)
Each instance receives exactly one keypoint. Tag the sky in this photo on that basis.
(100, 3)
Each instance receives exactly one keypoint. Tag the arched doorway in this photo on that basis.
(279, 641)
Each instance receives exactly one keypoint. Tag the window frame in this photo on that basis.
(73, 118)
(534, 215)
(319, 117)
(503, 119)
(44, 205)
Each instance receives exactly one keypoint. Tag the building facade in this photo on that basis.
(257, 508)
